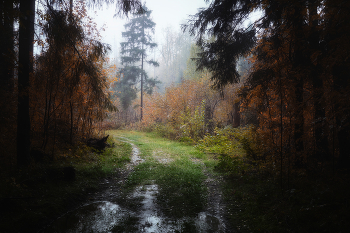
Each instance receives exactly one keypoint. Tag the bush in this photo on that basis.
(165, 130)
(235, 146)
(192, 123)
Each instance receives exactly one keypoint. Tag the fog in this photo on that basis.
(165, 13)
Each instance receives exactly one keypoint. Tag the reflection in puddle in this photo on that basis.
(94, 217)
(208, 223)
(152, 221)
(149, 220)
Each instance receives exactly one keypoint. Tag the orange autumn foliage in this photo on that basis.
(69, 89)
(190, 109)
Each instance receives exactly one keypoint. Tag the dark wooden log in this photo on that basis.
(98, 144)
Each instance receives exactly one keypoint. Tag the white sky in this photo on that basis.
(165, 13)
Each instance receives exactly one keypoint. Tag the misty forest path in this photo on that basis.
(166, 187)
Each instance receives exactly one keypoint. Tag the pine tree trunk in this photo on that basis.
(26, 39)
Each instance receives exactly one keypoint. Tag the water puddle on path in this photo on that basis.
(105, 216)
(94, 217)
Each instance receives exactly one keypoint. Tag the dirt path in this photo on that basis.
(120, 207)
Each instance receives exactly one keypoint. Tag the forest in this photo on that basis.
(266, 96)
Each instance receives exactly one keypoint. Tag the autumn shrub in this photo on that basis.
(237, 147)
(184, 112)
(165, 130)
(192, 124)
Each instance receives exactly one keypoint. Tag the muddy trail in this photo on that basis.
(143, 197)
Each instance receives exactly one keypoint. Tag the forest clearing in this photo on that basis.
(237, 119)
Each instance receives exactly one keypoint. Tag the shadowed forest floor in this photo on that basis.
(145, 183)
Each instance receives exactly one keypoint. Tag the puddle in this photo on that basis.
(106, 216)
(135, 158)
(150, 220)
(94, 217)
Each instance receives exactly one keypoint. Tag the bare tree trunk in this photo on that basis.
(71, 122)
(71, 8)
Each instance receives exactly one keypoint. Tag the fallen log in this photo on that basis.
(98, 144)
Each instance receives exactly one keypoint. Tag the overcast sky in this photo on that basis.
(164, 13)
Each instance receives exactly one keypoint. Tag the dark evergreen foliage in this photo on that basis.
(223, 21)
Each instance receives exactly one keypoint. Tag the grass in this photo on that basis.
(147, 142)
(172, 167)
(31, 198)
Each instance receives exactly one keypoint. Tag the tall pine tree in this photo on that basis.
(138, 39)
